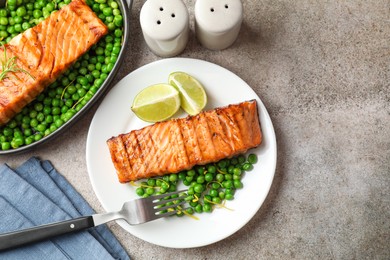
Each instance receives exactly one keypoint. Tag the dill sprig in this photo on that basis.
(9, 65)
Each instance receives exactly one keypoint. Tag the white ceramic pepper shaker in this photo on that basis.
(218, 22)
(165, 26)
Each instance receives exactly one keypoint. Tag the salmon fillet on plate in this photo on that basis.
(180, 144)
(44, 52)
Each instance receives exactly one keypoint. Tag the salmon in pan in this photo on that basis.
(180, 144)
(45, 51)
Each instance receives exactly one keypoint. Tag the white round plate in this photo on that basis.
(114, 117)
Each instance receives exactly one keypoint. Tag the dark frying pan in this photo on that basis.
(125, 6)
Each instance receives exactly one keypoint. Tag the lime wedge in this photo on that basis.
(156, 103)
(192, 95)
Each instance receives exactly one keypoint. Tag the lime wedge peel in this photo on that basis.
(193, 97)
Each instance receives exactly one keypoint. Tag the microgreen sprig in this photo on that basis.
(9, 65)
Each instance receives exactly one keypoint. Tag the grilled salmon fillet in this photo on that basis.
(44, 52)
(180, 144)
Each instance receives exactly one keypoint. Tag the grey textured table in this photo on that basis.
(322, 69)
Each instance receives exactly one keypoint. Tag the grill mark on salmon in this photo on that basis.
(45, 51)
(180, 144)
(190, 141)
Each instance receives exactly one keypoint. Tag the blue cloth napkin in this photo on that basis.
(36, 194)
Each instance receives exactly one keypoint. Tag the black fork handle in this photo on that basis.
(22, 237)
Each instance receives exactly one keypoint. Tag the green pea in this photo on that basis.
(8, 131)
(149, 191)
(116, 49)
(247, 166)
(219, 177)
(40, 117)
(34, 122)
(114, 5)
(64, 109)
(222, 164)
(216, 200)
(241, 159)
(47, 132)
(228, 176)
(95, 74)
(41, 128)
(30, 7)
(49, 119)
(118, 20)
(252, 158)
(198, 188)
(21, 11)
(3, 12)
(107, 11)
(11, 2)
(191, 172)
(173, 177)
(199, 208)
(165, 186)
(59, 122)
(12, 123)
(116, 12)
(200, 179)
(237, 171)
(237, 184)
(26, 25)
(227, 184)
(151, 182)
(118, 33)
(11, 30)
(213, 193)
(207, 207)
(3, 34)
(83, 80)
(14, 144)
(3, 21)
(212, 169)
(75, 96)
(37, 13)
(103, 76)
(83, 71)
(234, 161)
(50, 6)
(5, 146)
(140, 191)
(56, 111)
(208, 177)
(229, 197)
(29, 140)
(215, 185)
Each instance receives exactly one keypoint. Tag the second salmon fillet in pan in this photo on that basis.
(45, 51)
(179, 144)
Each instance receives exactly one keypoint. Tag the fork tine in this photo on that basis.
(162, 201)
(169, 206)
(157, 197)
(146, 209)
(166, 214)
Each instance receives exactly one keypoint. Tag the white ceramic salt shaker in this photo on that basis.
(165, 26)
(218, 22)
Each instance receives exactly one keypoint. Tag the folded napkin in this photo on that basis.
(36, 194)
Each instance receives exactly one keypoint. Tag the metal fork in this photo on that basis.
(135, 212)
